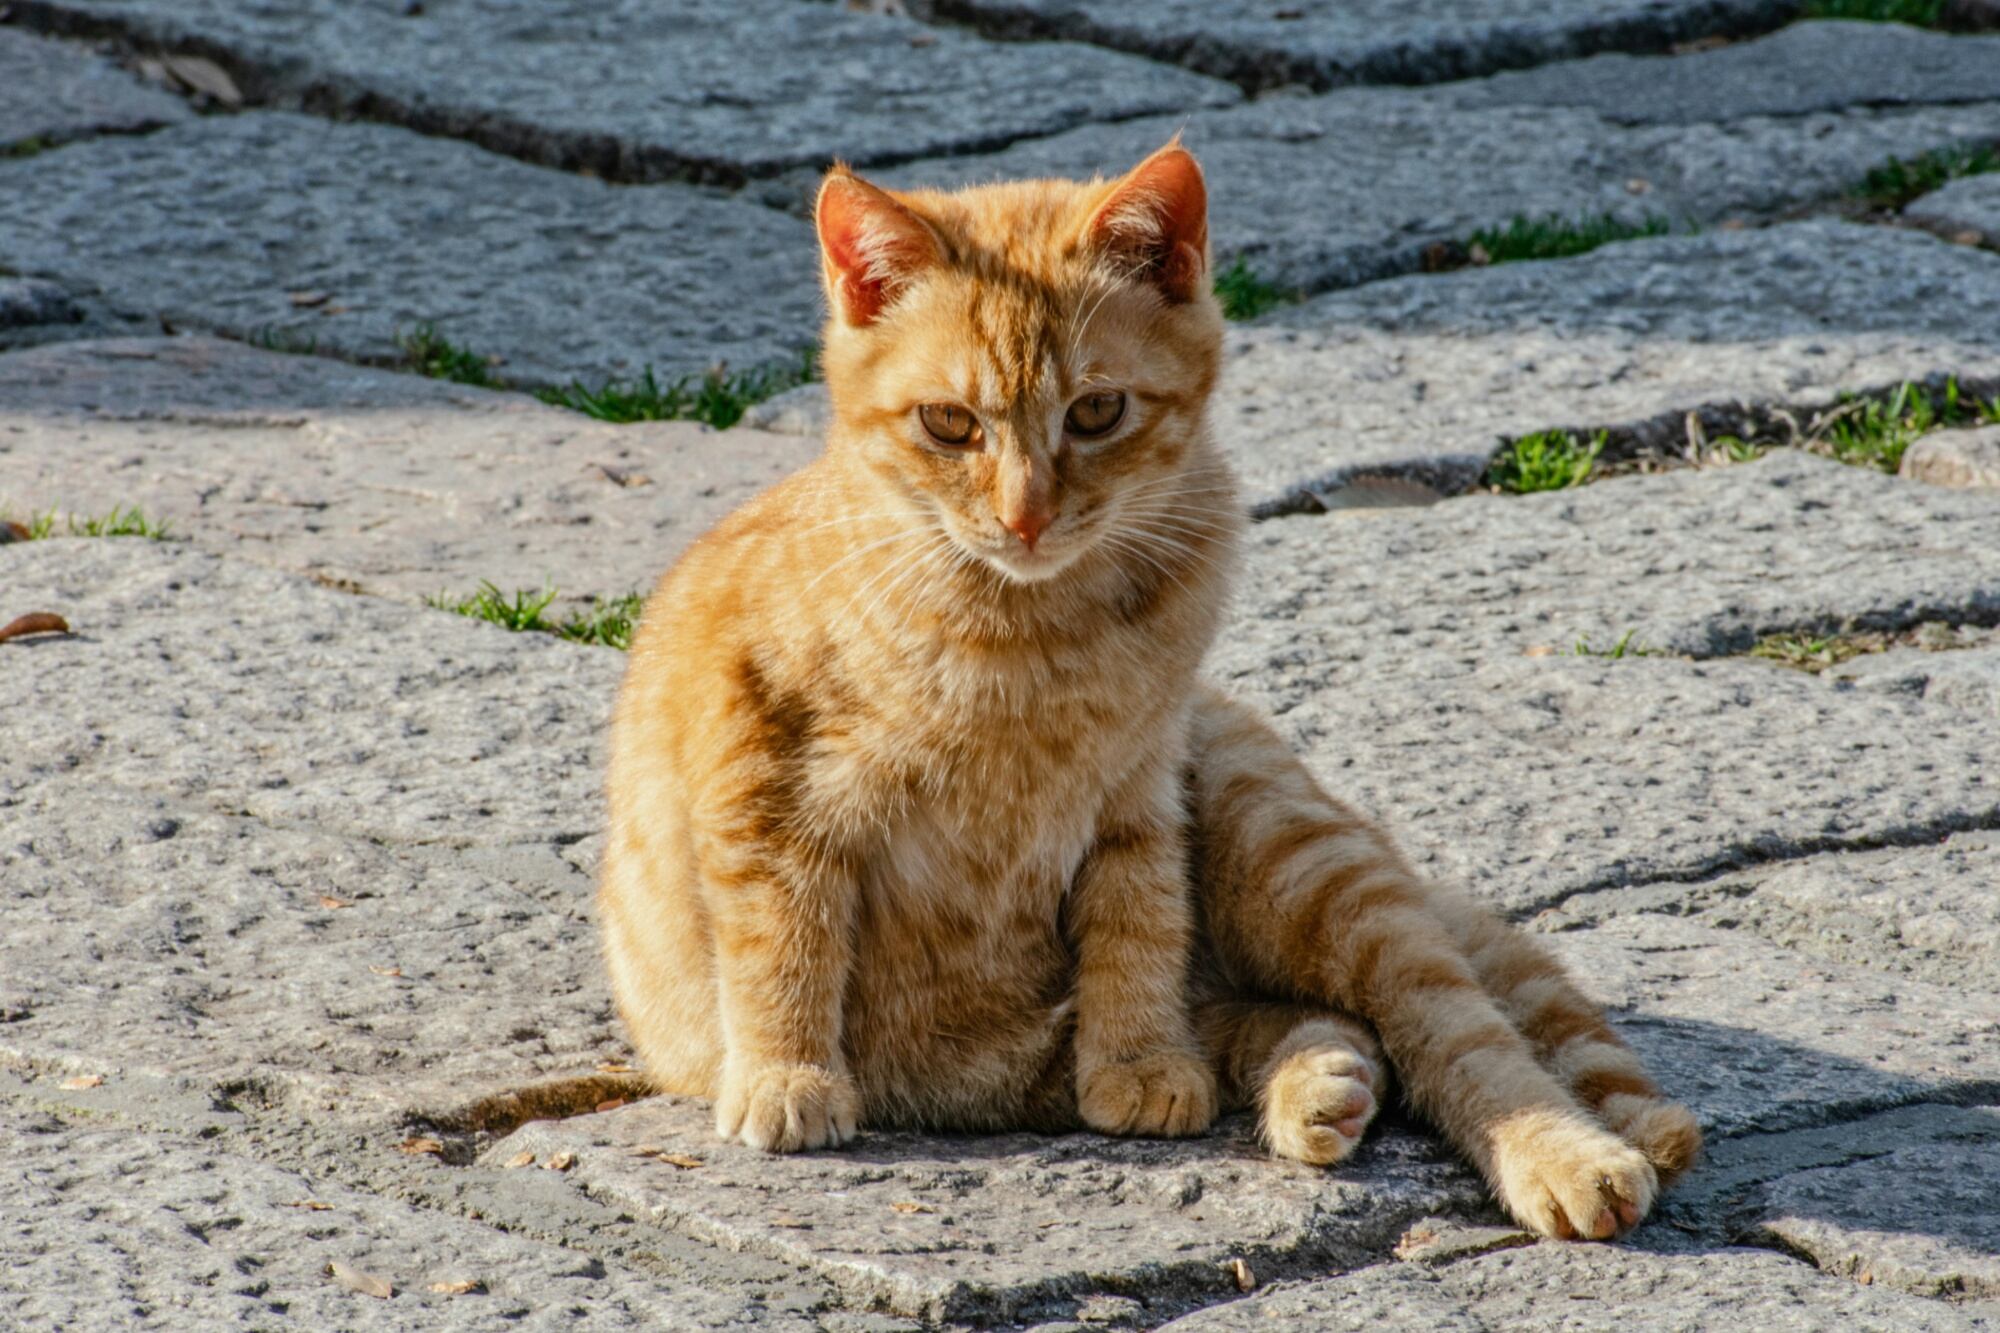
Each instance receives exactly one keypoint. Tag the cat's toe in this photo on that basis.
(788, 1108)
(1665, 1131)
(1565, 1176)
(1161, 1096)
(1317, 1105)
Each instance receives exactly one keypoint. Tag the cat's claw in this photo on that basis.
(1159, 1096)
(1565, 1176)
(788, 1107)
(1317, 1105)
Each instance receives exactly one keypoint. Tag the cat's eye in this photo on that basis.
(948, 423)
(1095, 413)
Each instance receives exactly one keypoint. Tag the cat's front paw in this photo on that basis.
(1564, 1175)
(787, 1107)
(1169, 1095)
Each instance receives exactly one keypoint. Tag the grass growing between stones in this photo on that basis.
(1917, 13)
(718, 398)
(431, 354)
(120, 522)
(1244, 295)
(1816, 653)
(1625, 647)
(1898, 181)
(1556, 237)
(1550, 460)
(607, 621)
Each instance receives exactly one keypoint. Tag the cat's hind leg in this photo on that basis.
(1303, 898)
(1570, 1037)
(1314, 1076)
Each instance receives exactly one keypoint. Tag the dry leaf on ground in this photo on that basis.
(562, 1161)
(80, 1082)
(462, 1287)
(908, 1207)
(519, 1160)
(333, 904)
(1245, 1279)
(385, 971)
(35, 622)
(204, 76)
(421, 1147)
(310, 1205)
(356, 1280)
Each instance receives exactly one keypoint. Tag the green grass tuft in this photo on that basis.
(1550, 460)
(27, 147)
(1623, 648)
(1556, 237)
(1876, 432)
(607, 621)
(1898, 181)
(1918, 13)
(718, 398)
(1244, 295)
(271, 338)
(432, 354)
(120, 522)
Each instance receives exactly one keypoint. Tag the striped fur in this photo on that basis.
(920, 814)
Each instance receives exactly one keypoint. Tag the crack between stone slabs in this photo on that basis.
(264, 84)
(1258, 71)
(1771, 851)
(1662, 437)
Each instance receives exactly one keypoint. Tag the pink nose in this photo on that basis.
(1028, 525)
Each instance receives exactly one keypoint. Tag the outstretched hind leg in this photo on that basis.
(1314, 1076)
(1570, 1037)
(1303, 898)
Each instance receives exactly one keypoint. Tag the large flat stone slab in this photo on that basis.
(1427, 376)
(1354, 185)
(1325, 44)
(341, 237)
(1008, 1227)
(365, 479)
(108, 1228)
(639, 92)
(1587, 1289)
(1393, 647)
(52, 92)
(1969, 204)
(1919, 1213)
(1923, 911)
(1431, 374)
(1757, 1038)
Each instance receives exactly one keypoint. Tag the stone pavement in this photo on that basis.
(301, 1019)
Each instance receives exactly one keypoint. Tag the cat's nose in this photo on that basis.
(1028, 524)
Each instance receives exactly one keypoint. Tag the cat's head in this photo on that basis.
(1028, 363)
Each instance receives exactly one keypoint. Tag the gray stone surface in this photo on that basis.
(52, 92)
(1968, 679)
(342, 236)
(1324, 43)
(1925, 911)
(1395, 649)
(1587, 1289)
(1807, 67)
(640, 91)
(1433, 373)
(364, 479)
(1008, 1226)
(1759, 1039)
(1968, 204)
(107, 1228)
(1429, 375)
(1956, 458)
(256, 829)
(1351, 186)
(1923, 1216)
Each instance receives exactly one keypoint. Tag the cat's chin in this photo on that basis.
(1030, 566)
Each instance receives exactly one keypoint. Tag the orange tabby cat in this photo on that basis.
(921, 814)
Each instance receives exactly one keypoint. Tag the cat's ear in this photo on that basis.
(1155, 222)
(871, 246)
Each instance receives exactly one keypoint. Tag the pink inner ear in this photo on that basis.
(872, 245)
(1158, 215)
